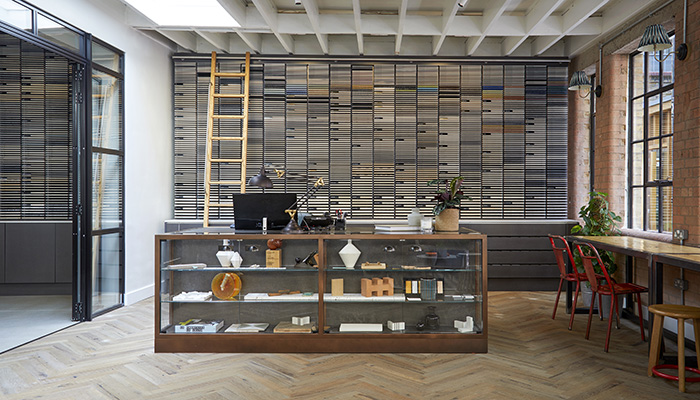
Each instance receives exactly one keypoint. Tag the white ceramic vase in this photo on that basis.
(224, 257)
(349, 254)
(236, 260)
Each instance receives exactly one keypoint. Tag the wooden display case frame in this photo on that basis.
(319, 342)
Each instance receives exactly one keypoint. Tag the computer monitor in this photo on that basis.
(250, 208)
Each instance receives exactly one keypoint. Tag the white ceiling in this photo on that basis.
(516, 28)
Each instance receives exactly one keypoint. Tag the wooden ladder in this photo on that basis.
(211, 117)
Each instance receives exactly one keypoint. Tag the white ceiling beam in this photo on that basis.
(577, 44)
(448, 15)
(614, 18)
(534, 18)
(252, 40)
(491, 15)
(402, 23)
(573, 17)
(311, 7)
(184, 39)
(236, 9)
(358, 26)
(160, 39)
(269, 14)
(219, 40)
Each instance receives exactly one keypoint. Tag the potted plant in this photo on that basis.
(598, 220)
(448, 196)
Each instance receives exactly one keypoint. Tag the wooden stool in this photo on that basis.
(681, 313)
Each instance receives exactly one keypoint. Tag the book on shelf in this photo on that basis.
(397, 228)
(195, 325)
(248, 327)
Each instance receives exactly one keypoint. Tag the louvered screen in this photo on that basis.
(35, 133)
(377, 132)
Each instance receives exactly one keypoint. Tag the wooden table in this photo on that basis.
(656, 253)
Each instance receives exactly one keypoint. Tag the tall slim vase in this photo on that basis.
(349, 254)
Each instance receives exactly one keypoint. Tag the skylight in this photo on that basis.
(185, 12)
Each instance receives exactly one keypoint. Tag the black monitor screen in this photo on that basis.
(250, 208)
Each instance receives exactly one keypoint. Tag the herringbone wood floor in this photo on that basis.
(530, 356)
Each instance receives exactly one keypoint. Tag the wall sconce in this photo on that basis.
(656, 39)
(579, 82)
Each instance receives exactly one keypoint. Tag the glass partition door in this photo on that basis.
(107, 179)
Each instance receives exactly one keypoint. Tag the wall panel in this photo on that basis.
(378, 131)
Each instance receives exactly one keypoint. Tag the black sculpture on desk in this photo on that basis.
(293, 226)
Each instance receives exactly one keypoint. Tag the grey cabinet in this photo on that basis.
(36, 255)
(520, 255)
(30, 253)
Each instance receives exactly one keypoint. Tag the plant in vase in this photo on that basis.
(598, 220)
(448, 197)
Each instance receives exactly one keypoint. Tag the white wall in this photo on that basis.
(148, 140)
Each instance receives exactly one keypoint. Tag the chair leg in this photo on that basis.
(641, 319)
(556, 302)
(617, 314)
(613, 306)
(573, 307)
(590, 315)
(657, 338)
(600, 306)
(681, 355)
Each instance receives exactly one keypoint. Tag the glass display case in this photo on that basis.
(222, 291)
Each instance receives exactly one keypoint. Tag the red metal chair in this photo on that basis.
(564, 276)
(611, 288)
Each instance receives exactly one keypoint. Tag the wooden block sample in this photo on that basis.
(377, 287)
(273, 258)
(337, 287)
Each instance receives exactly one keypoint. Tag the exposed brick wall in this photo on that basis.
(611, 132)
(578, 152)
(686, 135)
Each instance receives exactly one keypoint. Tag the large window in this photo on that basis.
(651, 142)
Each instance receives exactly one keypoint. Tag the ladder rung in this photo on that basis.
(225, 182)
(230, 74)
(226, 138)
(220, 205)
(226, 160)
(228, 116)
(229, 96)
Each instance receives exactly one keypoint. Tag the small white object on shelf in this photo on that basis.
(187, 266)
(236, 259)
(193, 296)
(247, 327)
(414, 218)
(301, 320)
(465, 326)
(361, 328)
(396, 326)
(397, 228)
(198, 326)
(349, 254)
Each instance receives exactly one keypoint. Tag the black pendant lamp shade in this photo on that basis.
(579, 81)
(261, 179)
(656, 38)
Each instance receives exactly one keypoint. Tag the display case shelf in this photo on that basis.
(450, 266)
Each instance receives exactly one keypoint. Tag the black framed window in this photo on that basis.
(650, 152)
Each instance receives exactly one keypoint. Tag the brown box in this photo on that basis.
(377, 287)
(337, 287)
(273, 258)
